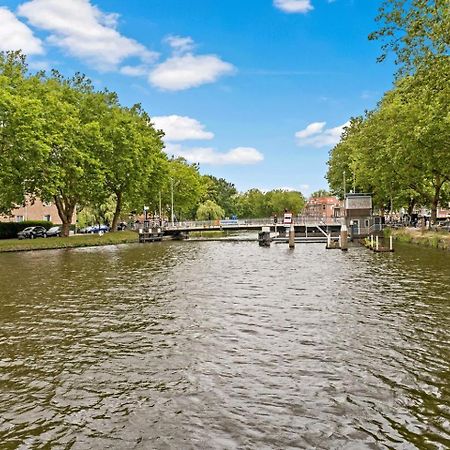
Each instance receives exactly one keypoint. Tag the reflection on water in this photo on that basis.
(225, 345)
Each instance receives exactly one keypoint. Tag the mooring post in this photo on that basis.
(329, 240)
(344, 238)
(292, 236)
(391, 244)
(264, 237)
(376, 243)
(371, 241)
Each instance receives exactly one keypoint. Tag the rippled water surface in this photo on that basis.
(209, 345)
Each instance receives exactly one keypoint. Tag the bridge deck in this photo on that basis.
(251, 226)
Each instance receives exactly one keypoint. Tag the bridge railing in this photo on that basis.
(267, 221)
(219, 223)
(317, 220)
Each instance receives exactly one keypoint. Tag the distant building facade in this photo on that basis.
(359, 217)
(324, 208)
(37, 210)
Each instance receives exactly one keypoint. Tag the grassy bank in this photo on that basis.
(87, 240)
(434, 239)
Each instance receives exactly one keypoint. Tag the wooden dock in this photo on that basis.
(150, 235)
(373, 243)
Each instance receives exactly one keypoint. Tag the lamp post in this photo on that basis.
(171, 200)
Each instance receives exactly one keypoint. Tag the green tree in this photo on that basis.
(221, 192)
(278, 200)
(251, 204)
(132, 159)
(417, 31)
(321, 193)
(186, 182)
(210, 211)
(68, 170)
(22, 128)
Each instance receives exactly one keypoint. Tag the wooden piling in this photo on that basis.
(344, 238)
(264, 239)
(292, 237)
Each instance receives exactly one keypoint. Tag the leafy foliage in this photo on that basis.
(210, 211)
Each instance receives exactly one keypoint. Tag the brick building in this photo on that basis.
(323, 207)
(37, 210)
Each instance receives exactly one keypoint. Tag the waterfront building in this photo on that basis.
(323, 208)
(358, 215)
(34, 210)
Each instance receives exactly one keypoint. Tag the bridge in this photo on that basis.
(307, 228)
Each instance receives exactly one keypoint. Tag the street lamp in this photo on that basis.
(171, 200)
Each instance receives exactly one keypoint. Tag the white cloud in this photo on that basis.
(316, 135)
(39, 65)
(84, 31)
(134, 71)
(15, 35)
(311, 129)
(294, 6)
(210, 156)
(181, 128)
(187, 71)
(180, 44)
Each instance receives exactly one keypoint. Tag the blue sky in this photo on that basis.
(257, 91)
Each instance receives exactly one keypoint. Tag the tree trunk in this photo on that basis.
(117, 212)
(434, 206)
(435, 199)
(65, 207)
(411, 205)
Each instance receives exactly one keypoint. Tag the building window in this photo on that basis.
(367, 223)
(48, 218)
(19, 218)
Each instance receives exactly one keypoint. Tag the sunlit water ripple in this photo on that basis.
(225, 346)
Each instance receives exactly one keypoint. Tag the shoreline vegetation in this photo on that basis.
(432, 239)
(78, 241)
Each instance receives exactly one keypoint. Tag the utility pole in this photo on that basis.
(343, 177)
(160, 212)
(171, 198)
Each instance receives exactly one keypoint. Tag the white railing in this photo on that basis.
(243, 223)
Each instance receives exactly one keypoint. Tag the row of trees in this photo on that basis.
(64, 142)
(400, 151)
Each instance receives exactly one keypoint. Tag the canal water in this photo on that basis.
(217, 345)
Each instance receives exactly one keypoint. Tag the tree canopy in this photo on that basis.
(65, 142)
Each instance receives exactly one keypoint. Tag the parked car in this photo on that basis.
(97, 228)
(54, 232)
(94, 229)
(84, 230)
(444, 226)
(32, 232)
(122, 226)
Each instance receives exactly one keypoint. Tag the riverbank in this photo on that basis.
(87, 240)
(434, 239)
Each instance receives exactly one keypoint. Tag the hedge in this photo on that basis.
(9, 230)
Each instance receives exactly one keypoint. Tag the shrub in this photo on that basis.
(9, 230)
